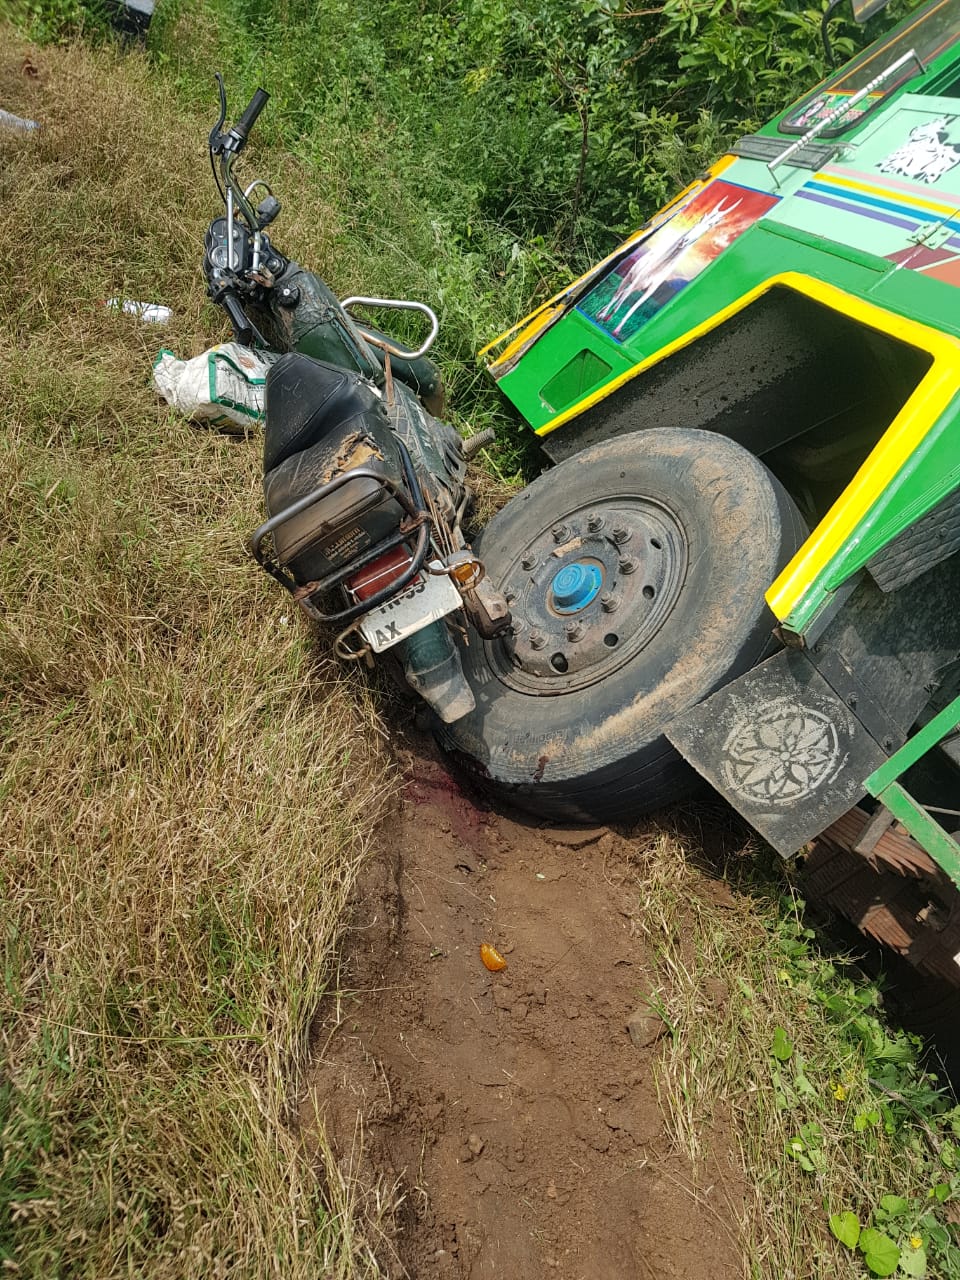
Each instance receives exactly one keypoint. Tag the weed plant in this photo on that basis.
(568, 123)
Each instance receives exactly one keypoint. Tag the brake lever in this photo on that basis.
(216, 133)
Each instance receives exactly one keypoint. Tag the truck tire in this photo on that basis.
(636, 573)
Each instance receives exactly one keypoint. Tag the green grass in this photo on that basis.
(783, 1051)
(372, 198)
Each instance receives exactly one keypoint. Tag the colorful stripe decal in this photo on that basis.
(896, 203)
(846, 207)
(525, 332)
(867, 204)
(841, 174)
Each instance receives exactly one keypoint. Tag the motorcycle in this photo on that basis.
(364, 484)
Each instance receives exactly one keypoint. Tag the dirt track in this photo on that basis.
(514, 1112)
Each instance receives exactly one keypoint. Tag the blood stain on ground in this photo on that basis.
(513, 1110)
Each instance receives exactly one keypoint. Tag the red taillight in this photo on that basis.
(379, 573)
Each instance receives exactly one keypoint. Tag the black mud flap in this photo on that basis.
(782, 748)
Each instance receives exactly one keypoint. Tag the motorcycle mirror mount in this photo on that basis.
(269, 206)
(267, 210)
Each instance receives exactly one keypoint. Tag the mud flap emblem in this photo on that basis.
(781, 754)
(782, 747)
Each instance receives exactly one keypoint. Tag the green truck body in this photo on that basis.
(803, 298)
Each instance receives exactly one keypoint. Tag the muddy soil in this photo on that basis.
(514, 1112)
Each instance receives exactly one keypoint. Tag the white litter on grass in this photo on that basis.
(223, 387)
(148, 312)
(9, 121)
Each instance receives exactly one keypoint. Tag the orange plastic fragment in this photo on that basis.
(492, 958)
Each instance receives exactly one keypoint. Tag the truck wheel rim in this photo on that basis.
(588, 592)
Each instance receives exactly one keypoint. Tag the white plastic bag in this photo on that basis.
(222, 388)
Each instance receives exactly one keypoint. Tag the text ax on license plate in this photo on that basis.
(428, 600)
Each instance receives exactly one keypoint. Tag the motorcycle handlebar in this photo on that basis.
(249, 118)
(243, 329)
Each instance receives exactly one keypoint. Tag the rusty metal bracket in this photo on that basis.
(881, 821)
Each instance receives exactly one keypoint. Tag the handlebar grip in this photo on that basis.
(242, 328)
(249, 117)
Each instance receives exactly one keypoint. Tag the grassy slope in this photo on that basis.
(371, 197)
(187, 784)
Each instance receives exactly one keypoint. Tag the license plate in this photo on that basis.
(430, 598)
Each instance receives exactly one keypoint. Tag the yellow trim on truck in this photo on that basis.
(930, 399)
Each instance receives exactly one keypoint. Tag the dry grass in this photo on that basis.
(491, 491)
(187, 785)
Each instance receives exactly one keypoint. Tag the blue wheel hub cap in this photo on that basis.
(574, 586)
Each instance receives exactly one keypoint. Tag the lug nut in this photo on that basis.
(510, 596)
(594, 522)
(561, 532)
(574, 630)
(609, 602)
(628, 564)
(621, 535)
(528, 562)
(537, 639)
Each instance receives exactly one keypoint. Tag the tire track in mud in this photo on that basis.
(513, 1112)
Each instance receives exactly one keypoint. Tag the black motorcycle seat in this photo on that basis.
(324, 422)
(307, 399)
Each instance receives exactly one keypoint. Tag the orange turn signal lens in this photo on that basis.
(492, 958)
(466, 573)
